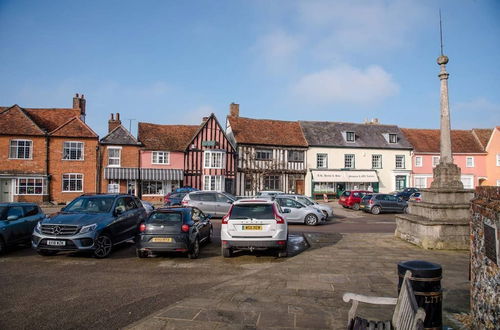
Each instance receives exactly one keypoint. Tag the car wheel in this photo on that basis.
(311, 220)
(326, 214)
(344, 206)
(210, 234)
(194, 252)
(141, 254)
(355, 207)
(405, 209)
(227, 252)
(282, 253)
(2, 246)
(375, 210)
(103, 245)
(47, 253)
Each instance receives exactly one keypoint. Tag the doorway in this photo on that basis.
(5, 190)
(400, 182)
(299, 187)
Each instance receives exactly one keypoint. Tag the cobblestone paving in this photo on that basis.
(306, 291)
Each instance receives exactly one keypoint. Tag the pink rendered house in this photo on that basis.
(468, 153)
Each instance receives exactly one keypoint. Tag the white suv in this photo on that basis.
(253, 224)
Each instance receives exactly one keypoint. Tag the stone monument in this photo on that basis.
(441, 219)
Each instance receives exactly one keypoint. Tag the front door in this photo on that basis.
(5, 190)
(400, 182)
(299, 187)
(228, 186)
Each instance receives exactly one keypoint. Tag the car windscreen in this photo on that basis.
(252, 211)
(3, 212)
(165, 218)
(306, 201)
(90, 205)
(346, 193)
(367, 197)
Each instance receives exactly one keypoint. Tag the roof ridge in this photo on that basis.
(69, 121)
(345, 122)
(27, 116)
(124, 129)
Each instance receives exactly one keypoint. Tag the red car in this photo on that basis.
(352, 198)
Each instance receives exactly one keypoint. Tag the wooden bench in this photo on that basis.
(407, 315)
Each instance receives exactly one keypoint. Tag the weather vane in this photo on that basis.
(441, 31)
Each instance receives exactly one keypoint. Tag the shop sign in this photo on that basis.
(345, 176)
(209, 143)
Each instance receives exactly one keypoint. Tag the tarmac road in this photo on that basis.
(77, 291)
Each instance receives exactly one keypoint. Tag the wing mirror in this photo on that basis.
(287, 211)
(230, 201)
(12, 217)
(118, 211)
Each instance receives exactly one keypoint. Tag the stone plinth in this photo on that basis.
(440, 221)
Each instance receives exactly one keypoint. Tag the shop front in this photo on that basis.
(335, 182)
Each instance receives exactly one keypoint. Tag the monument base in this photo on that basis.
(440, 221)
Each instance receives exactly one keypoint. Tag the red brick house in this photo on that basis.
(46, 154)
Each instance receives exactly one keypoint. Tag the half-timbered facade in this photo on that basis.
(210, 159)
(271, 154)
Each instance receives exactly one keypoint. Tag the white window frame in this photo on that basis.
(468, 177)
(210, 159)
(435, 160)
(213, 182)
(159, 192)
(321, 160)
(469, 161)
(119, 158)
(17, 148)
(420, 185)
(72, 145)
(156, 156)
(498, 159)
(74, 177)
(347, 134)
(114, 186)
(379, 159)
(419, 161)
(402, 162)
(352, 160)
(498, 183)
(43, 185)
(395, 136)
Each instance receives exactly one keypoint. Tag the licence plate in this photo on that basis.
(252, 227)
(361, 206)
(56, 243)
(162, 240)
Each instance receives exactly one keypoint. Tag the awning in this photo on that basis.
(159, 174)
(153, 174)
(345, 176)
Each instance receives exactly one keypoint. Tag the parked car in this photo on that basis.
(300, 213)
(352, 198)
(376, 203)
(90, 223)
(174, 229)
(210, 202)
(253, 224)
(415, 197)
(327, 210)
(147, 206)
(406, 193)
(17, 221)
(175, 197)
(269, 193)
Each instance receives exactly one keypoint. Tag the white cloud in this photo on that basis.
(277, 50)
(346, 84)
(477, 113)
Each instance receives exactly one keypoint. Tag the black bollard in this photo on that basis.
(426, 284)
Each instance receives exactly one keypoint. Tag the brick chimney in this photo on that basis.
(234, 110)
(79, 104)
(114, 122)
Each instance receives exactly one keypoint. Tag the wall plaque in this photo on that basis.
(491, 242)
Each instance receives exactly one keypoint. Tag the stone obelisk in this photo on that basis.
(441, 219)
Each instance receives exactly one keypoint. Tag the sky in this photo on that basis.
(174, 62)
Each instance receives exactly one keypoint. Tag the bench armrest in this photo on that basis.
(369, 300)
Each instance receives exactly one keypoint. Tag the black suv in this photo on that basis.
(90, 223)
(406, 193)
(376, 203)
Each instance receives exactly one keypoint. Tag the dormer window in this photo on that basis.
(393, 138)
(350, 137)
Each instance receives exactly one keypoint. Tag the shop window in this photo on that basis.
(151, 187)
(31, 186)
(114, 187)
(420, 182)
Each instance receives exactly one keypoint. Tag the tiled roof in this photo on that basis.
(14, 121)
(332, 134)
(74, 127)
(120, 136)
(483, 135)
(166, 137)
(51, 119)
(428, 140)
(267, 132)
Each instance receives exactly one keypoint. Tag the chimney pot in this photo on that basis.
(234, 110)
(118, 116)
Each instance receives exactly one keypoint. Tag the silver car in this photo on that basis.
(327, 210)
(296, 212)
(217, 204)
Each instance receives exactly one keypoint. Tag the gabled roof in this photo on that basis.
(428, 140)
(332, 134)
(483, 135)
(166, 137)
(14, 121)
(205, 122)
(50, 119)
(120, 136)
(267, 132)
(74, 127)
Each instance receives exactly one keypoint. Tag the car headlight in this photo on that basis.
(86, 229)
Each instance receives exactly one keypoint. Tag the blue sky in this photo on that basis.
(173, 62)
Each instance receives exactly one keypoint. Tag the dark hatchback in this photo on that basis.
(17, 221)
(175, 198)
(406, 193)
(93, 223)
(174, 229)
(377, 203)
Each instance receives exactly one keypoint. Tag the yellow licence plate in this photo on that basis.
(161, 240)
(252, 227)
